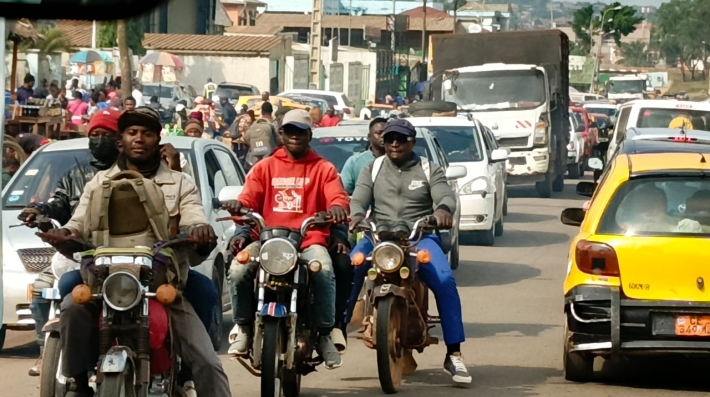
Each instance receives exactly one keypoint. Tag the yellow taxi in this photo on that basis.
(254, 102)
(638, 278)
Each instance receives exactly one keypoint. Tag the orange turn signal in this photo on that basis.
(166, 294)
(243, 257)
(423, 256)
(81, 294)
(358, 259)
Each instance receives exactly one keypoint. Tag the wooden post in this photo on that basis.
(13, 75)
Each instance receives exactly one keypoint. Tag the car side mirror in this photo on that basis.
(456, 172)
(572, 216)
(229, 193)
(595, 163)
(586, 189)
(499, 155)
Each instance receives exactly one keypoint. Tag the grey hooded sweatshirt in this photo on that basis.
(402, 193)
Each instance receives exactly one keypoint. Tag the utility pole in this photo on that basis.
(314, 61)
(424, 45)
(350, 25)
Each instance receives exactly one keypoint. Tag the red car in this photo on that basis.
(590, 133)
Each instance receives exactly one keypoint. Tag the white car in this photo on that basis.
(602, 107)
(338, 100)
(482, 192)
(210, 164)
(575, 149)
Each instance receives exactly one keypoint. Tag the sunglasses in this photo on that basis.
(399, 138)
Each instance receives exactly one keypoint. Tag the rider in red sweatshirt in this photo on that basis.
(287, 187)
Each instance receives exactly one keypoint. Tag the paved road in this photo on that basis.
(512, 303)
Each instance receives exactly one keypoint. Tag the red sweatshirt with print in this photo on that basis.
(286, 191)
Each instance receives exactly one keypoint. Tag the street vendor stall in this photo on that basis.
(45, 116)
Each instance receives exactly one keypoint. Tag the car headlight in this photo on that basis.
(388, 257)
(570, 145)
(540, 135)
(278, 256)
(61, 264)
(476, 186)
(122, 291)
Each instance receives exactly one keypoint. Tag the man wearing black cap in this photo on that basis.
(356, 163)
(141, 152)
(422, 190)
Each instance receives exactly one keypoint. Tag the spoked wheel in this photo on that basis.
(272, 368)
(52, 354)
(291, 383)
(119, 385)
(390, 354)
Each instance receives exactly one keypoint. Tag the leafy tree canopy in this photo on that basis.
(106, 35)
(622, 22)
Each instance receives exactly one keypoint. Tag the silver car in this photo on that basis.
(208, 162)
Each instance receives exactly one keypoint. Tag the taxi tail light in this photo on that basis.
(597, 258)
(683, 139)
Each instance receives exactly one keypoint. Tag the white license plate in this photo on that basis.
(603, 139)
(50, 293)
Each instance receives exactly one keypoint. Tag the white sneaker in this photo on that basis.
(239, 340)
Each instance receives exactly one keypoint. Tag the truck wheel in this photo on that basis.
(3, 331)
(544, 187)
(558, 184)
(573, 170)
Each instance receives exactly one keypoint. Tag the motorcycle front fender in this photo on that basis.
(389, 289)
(274, 309)
(115, 360)
(52, 326)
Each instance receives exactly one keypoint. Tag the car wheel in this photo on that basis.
(573, 171)
(505, 202)
(3, 331)
(577, 366)
(485, 237)
(499, 227)
(558, 184)
(454, 256)
(215, 330)
(582, 166)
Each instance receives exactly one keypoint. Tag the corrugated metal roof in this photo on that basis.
(430, 13)
(210, 43)
(77, 32)
(345, 21)
(476, 6)
(258, 29)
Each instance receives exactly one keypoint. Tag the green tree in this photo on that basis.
(52, 41)
(622, 22)
(681, 26)
(634, 54)
(106, 35)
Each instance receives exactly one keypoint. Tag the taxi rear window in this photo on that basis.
(674, 118)
(659, 206)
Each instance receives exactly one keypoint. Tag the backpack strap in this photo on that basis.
(427, 169)
(376, 166)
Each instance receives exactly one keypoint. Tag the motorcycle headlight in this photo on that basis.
(388, 257)
(61, 264)
(476, 186)
(122, 291)
(278, 256)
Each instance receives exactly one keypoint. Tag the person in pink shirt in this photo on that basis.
(77, 109)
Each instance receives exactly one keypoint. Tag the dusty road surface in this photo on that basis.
(512, 308)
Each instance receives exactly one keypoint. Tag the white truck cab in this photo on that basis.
(626, 88)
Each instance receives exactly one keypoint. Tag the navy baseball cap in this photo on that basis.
(400, 126)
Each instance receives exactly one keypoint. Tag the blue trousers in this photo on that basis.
(437, 276)
(199, 291)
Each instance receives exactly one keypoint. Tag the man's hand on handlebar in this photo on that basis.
(444, 219)
(355, 220)
(232, 206)
(339, 214)
(203, 235)
(237, 244)
(29, 215)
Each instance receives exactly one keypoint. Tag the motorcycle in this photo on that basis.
(284, 337)
(136, 353)
(396, 301)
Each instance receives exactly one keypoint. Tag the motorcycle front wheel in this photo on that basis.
(48, 384)
(118, 385)
(272, 367)
(390, 355)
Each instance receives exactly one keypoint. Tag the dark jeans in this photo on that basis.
(199, 291)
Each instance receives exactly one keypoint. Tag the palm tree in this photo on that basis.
(634, 54)
(52, 41)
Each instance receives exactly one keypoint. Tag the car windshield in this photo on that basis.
(151, 90)
(233, 91)
(328, 98)
(674, 118)
(659, 206)
(38, 178)
(626, 86)
(607, 111)
(339, 149)
(498, 90)
(461, 144)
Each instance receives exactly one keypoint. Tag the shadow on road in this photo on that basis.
(519, 217)
(28, 350)
(481, 274)
(519, 239)
(656, 373)
(487, 381)
(484, 330)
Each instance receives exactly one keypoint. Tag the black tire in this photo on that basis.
(50, 363)
(577, 366)
(271, 365)
(118, 385)
(485, 238)
(499, 227)
(582, 167)
(3, 332)
(291, 384)
(558, 184)
(454, 256)
(544, 187)
(573, 170)
(390, 354)
(505, 202)
(216, 333)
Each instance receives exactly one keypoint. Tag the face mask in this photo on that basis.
(104, 149)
